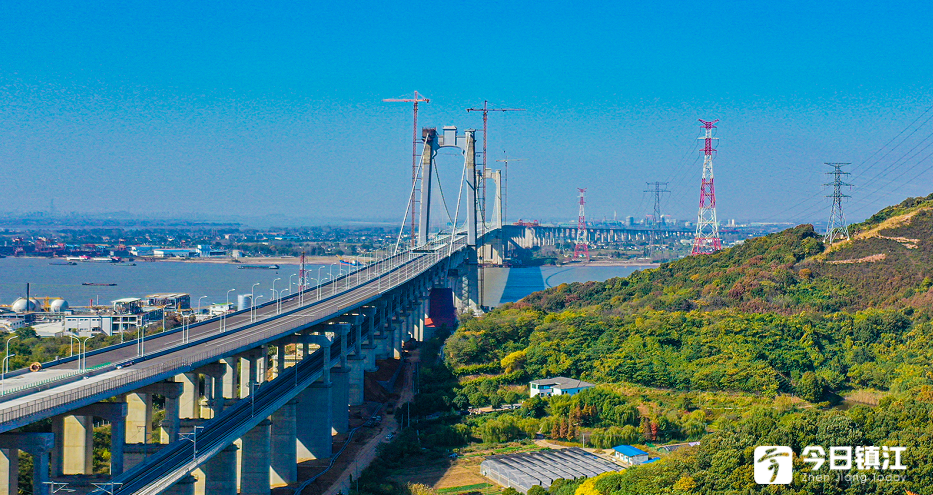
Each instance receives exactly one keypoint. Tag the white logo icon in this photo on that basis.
(773, 465)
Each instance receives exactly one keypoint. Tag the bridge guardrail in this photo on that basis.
(409, 269)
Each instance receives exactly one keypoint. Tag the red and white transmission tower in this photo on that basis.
(582, 247)
(415, 190)
(707, 238)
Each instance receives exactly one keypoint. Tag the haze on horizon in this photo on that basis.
(214, 110)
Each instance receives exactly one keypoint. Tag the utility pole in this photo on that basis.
(505, 181)
(582, 247)
(837, 228)
(707, 240)
(657, 188)
(415, 193)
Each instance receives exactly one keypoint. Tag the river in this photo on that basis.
(501, 285)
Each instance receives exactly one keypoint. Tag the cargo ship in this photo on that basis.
(259, 267)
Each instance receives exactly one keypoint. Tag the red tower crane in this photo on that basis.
(582, 247)
(415, 193)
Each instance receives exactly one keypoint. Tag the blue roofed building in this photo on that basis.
(632, 456)
(557, 386)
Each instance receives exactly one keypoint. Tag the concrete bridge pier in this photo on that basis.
(184, 486)
(314, 423)
(189, 402)
(229, 380)
(256, 466)
(116, 414)
(39, 446)
(73, 451)
(249, 372)
(220, 472)
(213, 389)
(9, 471)
(283, 469)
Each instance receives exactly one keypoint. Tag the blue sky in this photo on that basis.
(246, 109)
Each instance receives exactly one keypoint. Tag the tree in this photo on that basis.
(537, 490)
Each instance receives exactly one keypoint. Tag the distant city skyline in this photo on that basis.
(262, 111)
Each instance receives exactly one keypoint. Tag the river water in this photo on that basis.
(501, 285)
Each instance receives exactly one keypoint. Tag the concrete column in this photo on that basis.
(254, 472)
(184, 486)
(74, 445)
(284, 461)
(9, 471)
(262, 364)
(229, 380)
(40, 471)
(172, 422)
(38, 445)
(355, 364)
(340, 399)
(248, 373)
(280, 358)
(207, 401)
(314, 423)
(117, 444)
(138, 417)
(190, 400)
(369, 357)
(217, 396)
(220, 472)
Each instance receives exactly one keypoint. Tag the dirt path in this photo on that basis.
(367, 453)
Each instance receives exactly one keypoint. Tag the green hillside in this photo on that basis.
(791, 326)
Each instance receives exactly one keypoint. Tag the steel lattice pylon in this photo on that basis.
(837, 227)
(582, 247)
(707, 238)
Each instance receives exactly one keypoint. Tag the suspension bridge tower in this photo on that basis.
(707, 238)
(582, 247)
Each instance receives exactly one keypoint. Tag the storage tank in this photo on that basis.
(58, 306)
(243, 301)
(20, 305)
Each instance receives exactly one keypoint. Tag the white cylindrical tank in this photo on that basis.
(58, 306)
(243, 301)
(20, 305)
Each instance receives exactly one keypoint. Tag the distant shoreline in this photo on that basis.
(606, 263)
(327, 260)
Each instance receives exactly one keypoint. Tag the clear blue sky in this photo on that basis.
(239, 108)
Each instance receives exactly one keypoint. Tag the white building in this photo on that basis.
(629, 455)
(173, 253)
(557, 386)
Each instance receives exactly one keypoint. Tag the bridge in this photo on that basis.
(250, 394)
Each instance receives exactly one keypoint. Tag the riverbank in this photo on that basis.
(598, 263)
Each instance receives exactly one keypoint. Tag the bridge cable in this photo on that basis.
(411, 196)
(453, 233)
(440, 189)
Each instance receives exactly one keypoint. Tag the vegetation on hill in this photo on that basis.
(781, 320)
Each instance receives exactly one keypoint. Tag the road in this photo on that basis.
(166, 354)
(365, 456)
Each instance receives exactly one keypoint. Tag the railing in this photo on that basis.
(397, 273)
